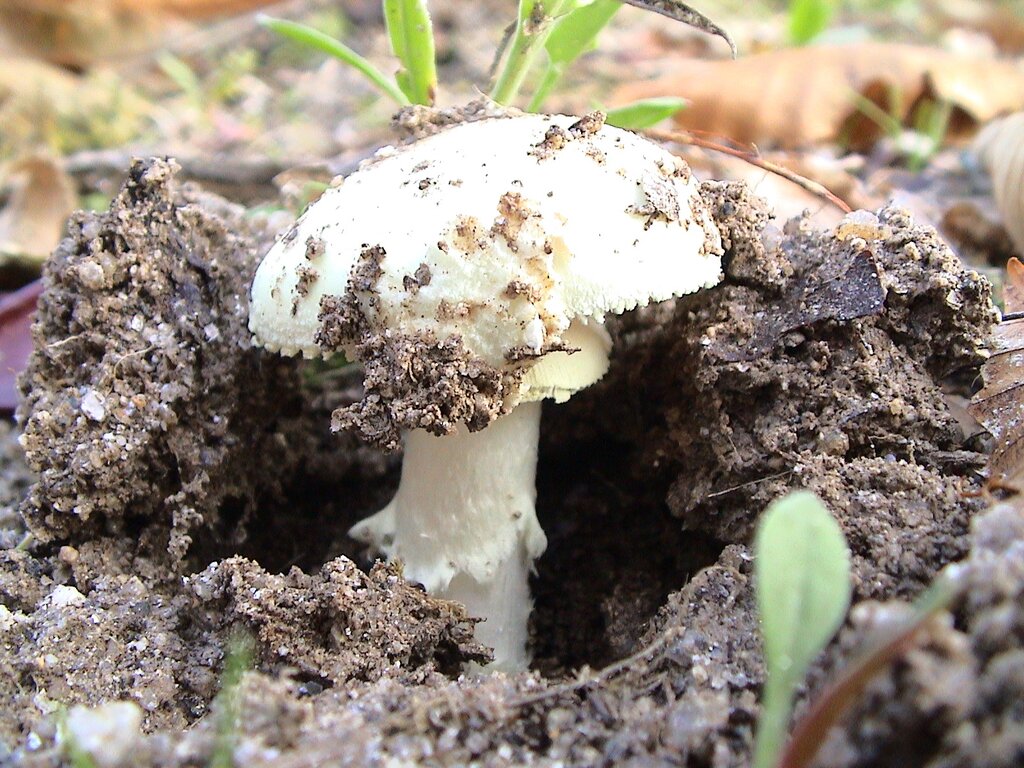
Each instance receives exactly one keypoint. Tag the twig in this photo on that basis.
(724, 491)
(608, 672)
(751, 156)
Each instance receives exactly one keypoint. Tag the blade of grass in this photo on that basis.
(571, 36)
(644, 113)
(533, 24)
(238, 660)
(313, 38)
(412, 40)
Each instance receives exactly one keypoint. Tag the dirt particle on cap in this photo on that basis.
(662, 200)
(342, 319)
(307, 276)
(314, 248)
(555, 138)
(458, 310)
(422, 276)
(588, 125)
(468, 235)
(522, 288)
(512, 215)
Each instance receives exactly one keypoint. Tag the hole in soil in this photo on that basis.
(312, 527)
(614, 555)
(614, 551)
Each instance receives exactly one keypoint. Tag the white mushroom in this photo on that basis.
(471, 273)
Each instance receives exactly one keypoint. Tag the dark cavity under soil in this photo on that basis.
(160, 441)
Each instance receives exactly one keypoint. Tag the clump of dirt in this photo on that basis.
(339, 626)
(119, 637)
(146, 411)
(418, 121)
(410, 381)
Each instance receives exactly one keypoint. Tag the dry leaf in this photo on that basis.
(41, 199)
(1013, 288)
(999, 406)
(838, 292)
(801, 96)
(25, 77)
(1000, 147)
(79, 33)
(17, 311)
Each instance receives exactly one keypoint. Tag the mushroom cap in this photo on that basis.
(502, 232)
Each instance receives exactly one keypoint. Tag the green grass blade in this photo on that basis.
(571, 35)
(412, 40)
(533, 25)
(644, 113)
(802, 579)
(575, 33)
(313, 38)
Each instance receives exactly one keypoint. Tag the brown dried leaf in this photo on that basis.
(79, 33)
(1013, 288)
(41, 199)
(1000, 147)
(999, 406)
(802, 96)
(845, 292)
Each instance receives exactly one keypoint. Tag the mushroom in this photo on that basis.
(470, 272)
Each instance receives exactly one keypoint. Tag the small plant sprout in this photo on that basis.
(238, 659)
(564, 29)
(470, 273)
(802, 579)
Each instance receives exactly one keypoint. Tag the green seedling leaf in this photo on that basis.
(77, 756)
(412, 40)
(238, 660)
(182, 75)
(802, 579)
(572, 35)
(808, 19)
(645, 112)
(313, 38)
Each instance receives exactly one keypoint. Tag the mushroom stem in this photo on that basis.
(464, 525)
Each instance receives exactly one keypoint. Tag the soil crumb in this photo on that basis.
(418, 121)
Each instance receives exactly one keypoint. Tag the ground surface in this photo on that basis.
(184, 496)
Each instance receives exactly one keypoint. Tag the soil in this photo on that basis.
(186, 491)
